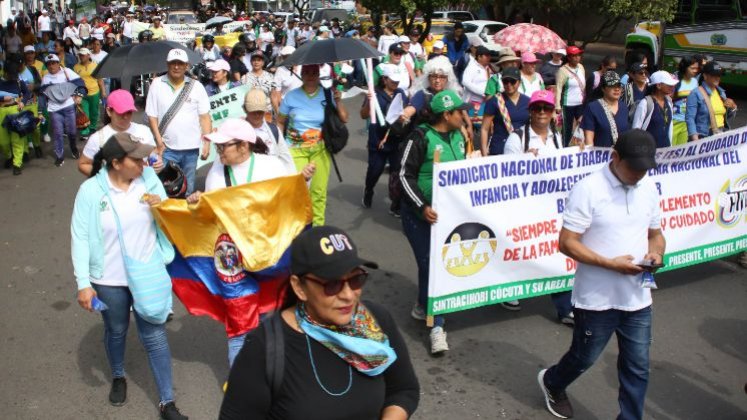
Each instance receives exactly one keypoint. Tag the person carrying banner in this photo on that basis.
(112, 219)
(612, 228)
(504, 112)
(383, 145)
(219, 74)
(269, 133)
(178, 111)
(300, 120)
(327, 353)
(710, 116)
(606, 118)
(441, 135)
(541, 138)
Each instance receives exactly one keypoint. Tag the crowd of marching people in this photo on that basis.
(451, 102)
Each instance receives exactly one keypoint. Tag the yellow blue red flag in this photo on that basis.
(233, 248)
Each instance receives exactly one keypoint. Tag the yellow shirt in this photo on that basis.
(84, 72)
(39, 66)
(158, 33)
(719, 110)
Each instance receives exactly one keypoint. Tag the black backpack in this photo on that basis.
(334, 131)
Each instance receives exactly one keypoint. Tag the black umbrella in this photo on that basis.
(218, 20)
(142, 58)
(330, 51)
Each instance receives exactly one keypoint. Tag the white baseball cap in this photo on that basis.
(560, 51)
(438, 44)
(233, 128)
(219, 65)
(84, 51)
(51, 57)
(287, 50)
(391, 71)
(662, 76)
(323, 29)
(177, 54)
(404, 38)
(28, 48)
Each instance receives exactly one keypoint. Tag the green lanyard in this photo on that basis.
(248, 175)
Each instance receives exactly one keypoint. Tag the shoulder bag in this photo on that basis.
(175, 106)
(711, 113)
(148, 281)
(334, 132)
(610, 120)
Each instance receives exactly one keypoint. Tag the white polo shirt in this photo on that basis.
(265, 167)
(613, 220)
(183, 133)
(515, 144)
(96, 140)
(138, 230)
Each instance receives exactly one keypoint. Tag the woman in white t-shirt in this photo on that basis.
(112, 218)
(541, 138)
(242, 160)
(531, 81)
(120, 106)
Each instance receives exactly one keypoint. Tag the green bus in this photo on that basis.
(714, 28)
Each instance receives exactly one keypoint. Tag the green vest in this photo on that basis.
(453, 150)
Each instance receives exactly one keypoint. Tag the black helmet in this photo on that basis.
(245, 38)
(146, 35)
(174, 181)
(208, 38)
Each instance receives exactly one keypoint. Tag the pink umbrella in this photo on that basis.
(528, 37)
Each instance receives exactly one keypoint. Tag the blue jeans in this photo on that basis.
(63, 122)
(187, 161)
(418, 233)
(153, 337)
(591, 333)
(236, 343)
(562, 302)
(377, 160)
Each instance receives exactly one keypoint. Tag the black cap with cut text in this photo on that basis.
(326, 252)
(638, 148)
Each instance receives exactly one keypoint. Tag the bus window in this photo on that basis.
(716, 10)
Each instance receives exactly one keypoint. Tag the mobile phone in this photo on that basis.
(649, 265)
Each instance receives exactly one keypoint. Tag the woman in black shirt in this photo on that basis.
(335, 356)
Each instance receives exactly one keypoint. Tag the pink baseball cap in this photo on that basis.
(528, 57)
(233, 128)
(542, 96)
(121, 101)
(218, 65)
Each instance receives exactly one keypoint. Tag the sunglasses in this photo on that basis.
(509, 81)
(222, 147)
(542, 108)
(333, 287)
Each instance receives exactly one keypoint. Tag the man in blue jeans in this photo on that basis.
(178, 111)
(612, 228)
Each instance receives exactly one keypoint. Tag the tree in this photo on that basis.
(300, 6)
(563, 15)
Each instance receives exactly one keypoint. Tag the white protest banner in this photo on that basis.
(499, 217)
(228, 104)
(183, 33)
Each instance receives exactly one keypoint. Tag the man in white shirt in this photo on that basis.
(612, 228)
(44, 23)
(127, 29)
(178, 131)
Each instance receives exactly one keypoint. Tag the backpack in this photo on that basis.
(649, 111)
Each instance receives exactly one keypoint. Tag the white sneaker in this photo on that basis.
(438, 340)
(511, 305)
(418, 312)
(47, 139)
(568, 320)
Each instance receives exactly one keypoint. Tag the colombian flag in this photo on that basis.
(233, 248)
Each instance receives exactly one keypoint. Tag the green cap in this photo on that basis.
(447, 100)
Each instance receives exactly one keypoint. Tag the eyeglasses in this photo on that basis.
(221, 147)
(542, 108)
(509, 81)
(333, 287)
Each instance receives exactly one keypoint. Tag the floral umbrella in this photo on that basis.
(528, 37)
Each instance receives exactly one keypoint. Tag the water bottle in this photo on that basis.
(98, 305)
(152, 159)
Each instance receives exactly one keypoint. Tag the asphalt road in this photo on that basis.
(54, 366)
